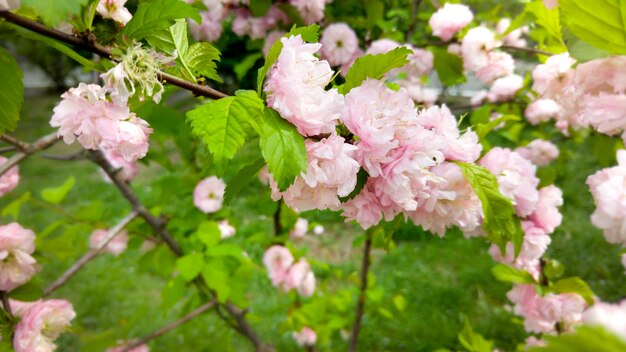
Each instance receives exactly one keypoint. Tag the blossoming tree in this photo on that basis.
(333, 108)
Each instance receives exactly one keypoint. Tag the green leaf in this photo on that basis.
(11, 93)
(584, 339)
(259, 7)
(157, 15)
(449, 67)
(282, 148)
(399, 302)
(547, 19)
(201, 59)
(190, 265)
(507, 273)
(374, 66)
(483, 129)
(15, 206)
(30, 291)
(242, 67)
(224, 125)
(209, 233)
(217, 277)
(53, 12)
(173, 292)
(601, 23)
(553, 269)
(241, 179)
(361, 179)
(473, 341)
(55, 195)
(501, 224)
(573, 285)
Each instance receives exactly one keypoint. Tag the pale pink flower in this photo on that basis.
(514, 37)
(115, 82)
(318, 230)
(536, 242)
(115, 10)
(418, 92)
(264, 176)
(610, 316)
(381, 46)
(476, 47)
(504, 88)
(300, 228)
(301, 278)
(41, 324)
(339, 44)
(546, 214)
(116, 246)
(500, 64)
(550, 78)
(449, 19)
(226, 229)
(127, 170)
(17, 266)
(10, 179)
(211, 28)
(277, 260)
(271, 38)
(532, 341)
(296, 88)
(120, 348)
(605, 112)
(18, 308)
(132, 138)
(539, 151)
(365, 208)
(301, 197)
(550, 4)
(305, 337)
(602, 76)
(257, 27)
(209, 194)
(9, 5)
(542, 110)
(312, 11)
(479, 98)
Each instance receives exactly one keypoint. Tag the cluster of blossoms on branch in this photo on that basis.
(286, 274)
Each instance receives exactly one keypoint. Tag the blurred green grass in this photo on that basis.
(442, 279)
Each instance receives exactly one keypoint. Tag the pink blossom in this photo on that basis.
(610, 316)
(312, 11)
(301, 278)
(449, 19)
(504, 88)
(116, 245)
(500, 64)
(602, 76)
(226, 229)
(9, 5)
(296, 88)
(115, 10)
(300, 228)
(479, 98)
(127, 170)
(546, 215)
(381, 46)
(365, 208)
(536, 242)
(420, 94)
(532, 341)
(550, 4)
(132, 138)
(10, 179)
(605, 112)
(115, 82)
(17, 266)
(277, 260)
(140, 348)
(41, 324)
(209, 194)
(257, 27)
(211, 28)
(318, 230)
(339, 44)
(540, 152)
(476, 47)
(550, 78)
(514, 37)
(516, 178)
(305, 337)
(542, 110)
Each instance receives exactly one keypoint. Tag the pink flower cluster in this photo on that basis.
(305, 337)
(127, 170)
(116, 246)
(85, 114)
(41, 323)
(311, 11)
(608, 188)
(10, 179)
(450, 19)
(340, 44)
(286, 274)
(17, 266)
(257, 27)
(540, 152)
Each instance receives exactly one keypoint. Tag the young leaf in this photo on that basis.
(548, 19)
(190, 265)
(217, 277)
(375, 66)
(601, 23)
(55, 195)
(473, 341)
(201, 59)
(507, 273)
(573, 285)
(53, 12)
(11, 93)
(209, 233)
(501, 224)
(282, 148)
(157, 15)
(449, 67)
(224, 124)
(241, 179)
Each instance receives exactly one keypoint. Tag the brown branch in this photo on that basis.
(414, 10)
(169, 327)
(7, 149)
(365, 266)
(101, 50)
(25, 149)
(526, 50)
(90, 255)
(278, 227)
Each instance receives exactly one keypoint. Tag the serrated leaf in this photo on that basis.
(201, 59)
(548, 19)
(449, 67)
(573, 285)
(500, 223)
(601, 23)
(374, 66)
(53, 12)
(282, 148)
(224, 125)
(584, 339)
(11, 93)
(190, 265)
(241, 179)
(157, 15)
(473, 341)
(507, 273)
(55, 195)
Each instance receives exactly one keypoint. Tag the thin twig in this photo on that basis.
(526, 50)
(91, 254)
(4, 296)
(103, 51)
(7, 149)
(169, 327)
(26, 149)
(365, 266)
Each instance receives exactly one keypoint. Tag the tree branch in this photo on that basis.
(169, 327)
(25, 149)
(91, 254)
(526, 50)
(365, 266)
(101, 50)
(414, 10)
(6, 305)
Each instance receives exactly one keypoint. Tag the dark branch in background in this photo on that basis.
(91, 254)
(526, 50)
(7, 149)
(365, 267)
(414, 20)
(278, 227)
(158, 225)
(26, 149)
(6, 305)
(103, 51)
(169, 327)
